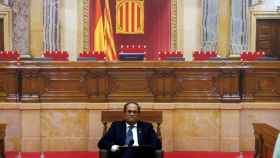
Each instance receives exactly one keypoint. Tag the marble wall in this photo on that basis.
(186, 126)
(21, 25)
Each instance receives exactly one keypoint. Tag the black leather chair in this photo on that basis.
(155, 117)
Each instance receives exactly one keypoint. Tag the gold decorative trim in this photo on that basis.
(85, 22)
(174, 45)
(254, 15)
(223, 33)
(80, 39)
(6, 15)
(61, 24)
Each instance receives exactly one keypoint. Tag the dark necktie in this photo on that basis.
(129, 135)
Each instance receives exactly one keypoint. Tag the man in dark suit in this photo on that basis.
(129, 133)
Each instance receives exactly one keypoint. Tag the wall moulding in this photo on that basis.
(6, 15)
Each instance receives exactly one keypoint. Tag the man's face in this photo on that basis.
(131, 114)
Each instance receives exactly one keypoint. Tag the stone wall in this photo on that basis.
(186, 126)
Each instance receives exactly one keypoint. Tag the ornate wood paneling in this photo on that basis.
(163, 81)
(231, 81)
(54, 85)
(194, 85)
(230, 88)
(261, 85)
(8, 85)
(131, 84)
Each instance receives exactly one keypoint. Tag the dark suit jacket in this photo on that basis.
(117, 133)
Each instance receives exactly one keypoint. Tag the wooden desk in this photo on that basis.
(143, 81)
(265, 138)
(2, 140)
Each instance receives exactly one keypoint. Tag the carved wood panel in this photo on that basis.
(163, 81)
(194, 85)
(54, 86)
(8, 85)
(97, 83)
(262, 85)
(230, 85)
(32, 85)
(130, 84)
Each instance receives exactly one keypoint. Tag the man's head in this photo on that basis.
(131, 110)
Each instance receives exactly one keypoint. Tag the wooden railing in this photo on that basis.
(265, 138)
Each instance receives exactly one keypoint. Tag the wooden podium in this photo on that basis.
(2, 140)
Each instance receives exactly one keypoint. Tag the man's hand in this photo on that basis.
(115, 148)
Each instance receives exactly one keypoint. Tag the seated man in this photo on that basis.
(138, 138)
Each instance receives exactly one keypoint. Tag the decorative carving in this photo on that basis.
(174, 45)
(85, 23)
(8, 85)
(261, 85)
(193, 85)
(229, 84)
(129, 84)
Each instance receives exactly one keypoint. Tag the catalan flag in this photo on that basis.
(109, 36)
(98, 33)
(102, 37)
(130, 16)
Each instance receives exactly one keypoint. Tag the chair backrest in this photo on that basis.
(2, 140)
(265, 139)
(149, 116)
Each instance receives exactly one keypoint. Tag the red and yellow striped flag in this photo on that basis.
(98, 33)
(109, 36)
